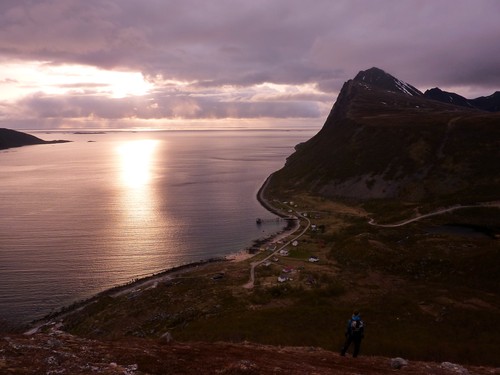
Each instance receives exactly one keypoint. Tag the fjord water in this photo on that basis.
(80, 217)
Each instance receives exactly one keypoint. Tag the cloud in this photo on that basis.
(169, 106)
(209, 58)
(8, 81)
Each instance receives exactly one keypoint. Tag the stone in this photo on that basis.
(397, 363)
(457, 369)
(166, 338)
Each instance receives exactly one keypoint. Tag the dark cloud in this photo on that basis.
(236, 43)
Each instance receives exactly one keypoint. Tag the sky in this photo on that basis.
(158, 63)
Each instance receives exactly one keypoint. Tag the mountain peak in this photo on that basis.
(378, 78)
(371, 75)
(406, 125)
(489, 103)
(447, 97)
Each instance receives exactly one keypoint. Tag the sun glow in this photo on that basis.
(24, 78)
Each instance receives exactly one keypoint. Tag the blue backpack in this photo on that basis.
(356, 327)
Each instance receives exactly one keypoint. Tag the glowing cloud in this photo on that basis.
(24, 78)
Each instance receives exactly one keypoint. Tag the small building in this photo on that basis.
(282, 278)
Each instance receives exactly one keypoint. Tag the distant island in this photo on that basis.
(89, 132)
(11, 138)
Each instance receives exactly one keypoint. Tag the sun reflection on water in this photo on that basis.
(140, 225)
(136, 162)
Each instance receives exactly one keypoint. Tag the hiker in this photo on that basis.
(354, 333)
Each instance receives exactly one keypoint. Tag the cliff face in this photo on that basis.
(11, 138)
(385, 139)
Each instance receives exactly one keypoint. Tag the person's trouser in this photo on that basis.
(357, 344)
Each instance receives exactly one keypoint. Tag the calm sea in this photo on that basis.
(81, 217)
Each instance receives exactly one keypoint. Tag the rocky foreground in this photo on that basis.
(58, 352)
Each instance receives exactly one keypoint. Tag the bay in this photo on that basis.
(81, 217)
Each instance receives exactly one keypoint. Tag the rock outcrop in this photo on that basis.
(12, 138)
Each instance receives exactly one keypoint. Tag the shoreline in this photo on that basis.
(264, 202)
(149, 281)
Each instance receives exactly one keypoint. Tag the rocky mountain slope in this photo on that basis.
(61, 353)
(12, 138)
(384, 139)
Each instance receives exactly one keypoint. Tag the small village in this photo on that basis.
(283, 257)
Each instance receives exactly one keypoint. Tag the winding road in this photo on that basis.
(438, 212)
(251, 281)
